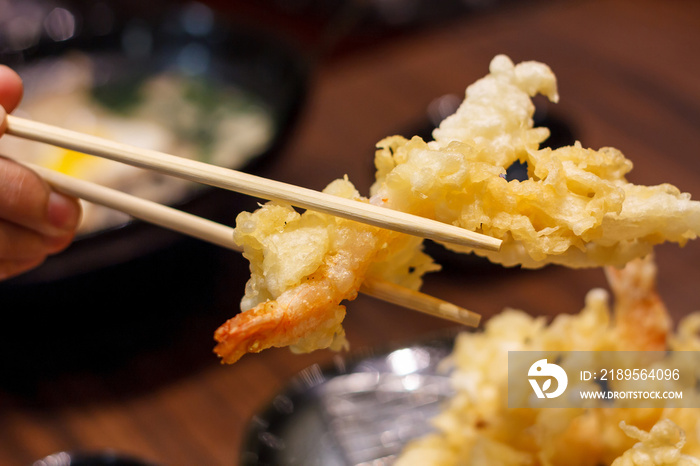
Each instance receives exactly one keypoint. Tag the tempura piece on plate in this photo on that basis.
(661, 446)
(477, 428)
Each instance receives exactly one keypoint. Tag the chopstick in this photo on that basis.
(252, 185)
(417, 301)
(222, 235)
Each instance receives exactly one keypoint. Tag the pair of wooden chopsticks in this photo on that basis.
(248, 184)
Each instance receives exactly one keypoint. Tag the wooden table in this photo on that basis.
(628, 77)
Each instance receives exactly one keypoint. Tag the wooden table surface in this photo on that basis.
(628, 77)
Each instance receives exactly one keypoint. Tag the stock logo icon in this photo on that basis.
(541, 369)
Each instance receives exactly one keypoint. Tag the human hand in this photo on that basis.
(35, 221)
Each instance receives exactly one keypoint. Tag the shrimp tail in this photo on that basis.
(244, 332)
(641, 317)
(305, 318)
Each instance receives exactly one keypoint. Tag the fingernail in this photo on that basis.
(63, 212)
(3, 120)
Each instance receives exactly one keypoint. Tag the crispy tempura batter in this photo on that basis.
(641, 318)
(661, 446)
(477, 427)
(302, 267)
(576, 209)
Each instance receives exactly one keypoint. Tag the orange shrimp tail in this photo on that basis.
(243, 333)
(307, 317)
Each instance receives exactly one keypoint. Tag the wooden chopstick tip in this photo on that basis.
(418, 301)
(459, 314)
(491, 243)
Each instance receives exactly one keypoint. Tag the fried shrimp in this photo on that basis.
(477, 427)
(661, 445)
(576, 209)
(309, 263)
(641, 318)
(305, 318)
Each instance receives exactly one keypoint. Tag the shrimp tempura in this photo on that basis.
(477, 427)
(576, 209)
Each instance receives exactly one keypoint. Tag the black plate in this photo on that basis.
(78, 458)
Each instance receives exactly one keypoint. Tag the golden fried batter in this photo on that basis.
(576, 209)
(477, 427)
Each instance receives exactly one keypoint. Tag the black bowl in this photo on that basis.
(122, 285)
(262, 66)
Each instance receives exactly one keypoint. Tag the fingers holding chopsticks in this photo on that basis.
(35, 221)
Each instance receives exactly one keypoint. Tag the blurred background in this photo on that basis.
(108, 346)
